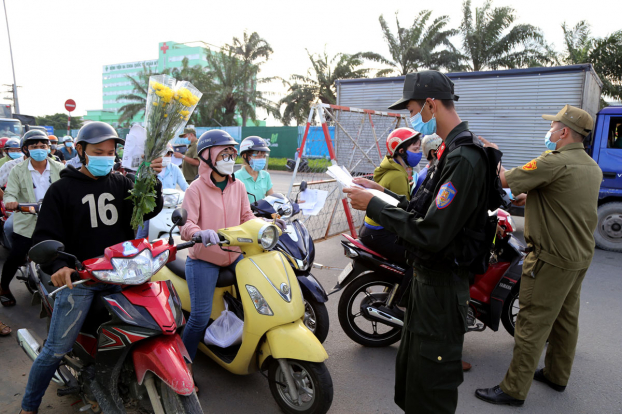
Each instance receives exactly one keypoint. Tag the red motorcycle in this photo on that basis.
(373, 286)
(129, 351)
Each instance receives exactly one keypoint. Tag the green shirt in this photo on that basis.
(4, 159)
(562, 200)
(190, 171)
(392, 176)
(258, 188)
(220, 184)
(459, 195)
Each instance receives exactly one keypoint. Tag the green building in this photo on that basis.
(115, 81)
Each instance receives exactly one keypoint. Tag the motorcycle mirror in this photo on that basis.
(179, 217)
(253, 195)
(45, 251)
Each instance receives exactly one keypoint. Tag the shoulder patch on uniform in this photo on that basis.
(530, 166)
(440, 151)
(445, 195)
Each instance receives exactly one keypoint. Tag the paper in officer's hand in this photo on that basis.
(134, 148)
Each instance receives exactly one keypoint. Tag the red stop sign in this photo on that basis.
(70, 105)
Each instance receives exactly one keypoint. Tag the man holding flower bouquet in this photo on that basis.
(87, 210)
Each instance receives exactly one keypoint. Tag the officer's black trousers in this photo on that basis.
(428, 365)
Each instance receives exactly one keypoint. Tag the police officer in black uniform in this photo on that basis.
(441, 228)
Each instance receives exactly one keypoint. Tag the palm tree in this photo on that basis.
(423, 45)
(233, 92)
(492, 41)
(254, 51)
(138, 96)
(604, 53)
(318, 84)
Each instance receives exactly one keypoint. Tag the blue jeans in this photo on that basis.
(8, 232)
(143, 231)
(70, 310)
(201, 277)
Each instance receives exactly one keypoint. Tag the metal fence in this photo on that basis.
(351, 137)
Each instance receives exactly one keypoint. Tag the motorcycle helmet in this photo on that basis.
(94, 133)
(429, 143)
(32, 136)
(213, 138)
(401, 138)
(11, 143)
(254, 143)
(3, 141)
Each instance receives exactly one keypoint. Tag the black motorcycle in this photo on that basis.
(297, 245)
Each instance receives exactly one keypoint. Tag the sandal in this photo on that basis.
(4, 328)
(7, 298)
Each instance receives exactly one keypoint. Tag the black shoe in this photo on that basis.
(495, 395)
(539, 376)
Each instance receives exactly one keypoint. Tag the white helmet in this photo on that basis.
(429, 143)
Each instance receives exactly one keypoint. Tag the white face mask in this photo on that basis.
(225, 167)
(166, 161)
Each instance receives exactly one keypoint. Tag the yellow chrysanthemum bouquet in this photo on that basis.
(169, 106)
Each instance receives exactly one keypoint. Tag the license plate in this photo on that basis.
(345, 272)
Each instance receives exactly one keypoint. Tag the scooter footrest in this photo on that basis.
(61, 392)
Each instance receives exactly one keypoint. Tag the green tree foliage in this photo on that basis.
(59, 121)
(318, 84)
(254, 51)
(425, 44)
(492, 41)
(604, 53)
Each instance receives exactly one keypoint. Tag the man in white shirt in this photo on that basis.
(28, 181)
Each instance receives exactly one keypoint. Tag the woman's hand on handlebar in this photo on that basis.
(63, 277)
(207, 237)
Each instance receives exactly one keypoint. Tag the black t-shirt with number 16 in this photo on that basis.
(88, 215)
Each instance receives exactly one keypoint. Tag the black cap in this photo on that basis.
(423, 85)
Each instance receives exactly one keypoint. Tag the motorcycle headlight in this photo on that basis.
(171, 200)
(133, 270)
(258, 300)
(268, 236)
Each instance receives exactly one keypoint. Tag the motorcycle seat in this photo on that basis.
(361, 246)
(226, 277)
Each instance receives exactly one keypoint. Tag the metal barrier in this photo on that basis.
(358, 145)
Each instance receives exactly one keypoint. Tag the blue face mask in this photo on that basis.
(69, 144)
(100, 166)
(49, 151)
(38, 154)
(183, 141)
(15, 155)
(258, 164)
(425, 128)
(551, 146)
(413, 158)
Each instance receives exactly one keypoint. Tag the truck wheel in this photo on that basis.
(608, 234)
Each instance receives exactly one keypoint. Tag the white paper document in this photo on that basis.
(134, 148)
(314, 201)
(345, 179)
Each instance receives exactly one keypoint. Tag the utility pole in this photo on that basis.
(15, 101)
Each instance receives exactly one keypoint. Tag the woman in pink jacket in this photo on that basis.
(213, 201)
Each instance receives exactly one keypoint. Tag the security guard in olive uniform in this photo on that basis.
(431, 226)
(560, 218)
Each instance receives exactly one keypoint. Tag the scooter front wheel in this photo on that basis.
(316, 318)
(314, 387)
(174, 403)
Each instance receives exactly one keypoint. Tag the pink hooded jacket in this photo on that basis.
(210, 208)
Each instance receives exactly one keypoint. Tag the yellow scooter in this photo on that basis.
(274, 336)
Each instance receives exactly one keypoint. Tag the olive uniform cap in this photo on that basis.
(423, 85)
(574, 118)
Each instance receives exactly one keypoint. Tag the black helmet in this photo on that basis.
(34, 135)
(214, 138)
(254, 143)
(96, 132)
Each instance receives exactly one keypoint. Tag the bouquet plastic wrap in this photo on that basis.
(169, 106)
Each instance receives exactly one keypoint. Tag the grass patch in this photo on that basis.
(280, 164)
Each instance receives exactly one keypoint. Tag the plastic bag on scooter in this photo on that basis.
(225, 331)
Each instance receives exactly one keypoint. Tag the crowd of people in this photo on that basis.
(441, 207)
